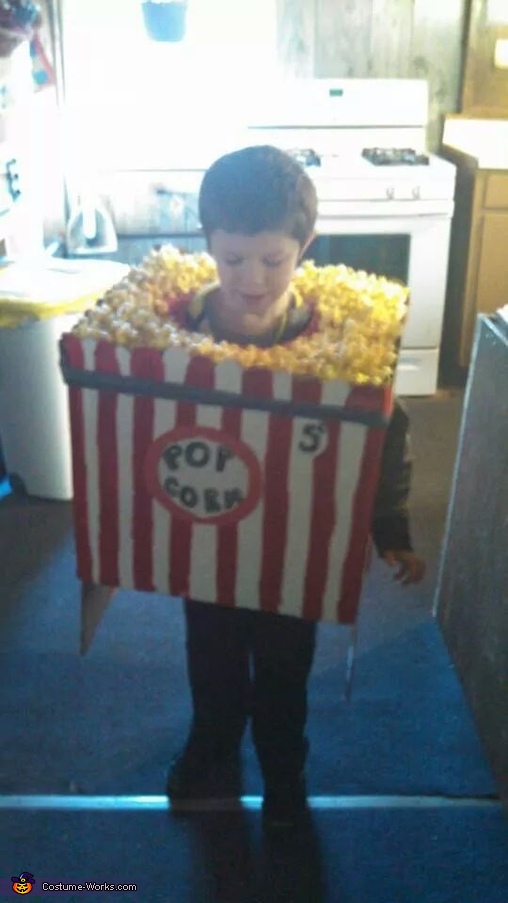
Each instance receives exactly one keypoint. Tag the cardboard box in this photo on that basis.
(244, 488)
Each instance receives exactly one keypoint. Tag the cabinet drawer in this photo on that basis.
(496, 191)
(492, 282)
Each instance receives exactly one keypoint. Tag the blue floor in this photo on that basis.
(108, 723)
(5, 488)
(373, 856)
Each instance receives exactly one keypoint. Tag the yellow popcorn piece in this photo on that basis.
(361, 316)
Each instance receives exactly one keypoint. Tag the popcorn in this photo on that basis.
(360, 318)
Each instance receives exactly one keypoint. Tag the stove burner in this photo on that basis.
(394, 156)
(305, 156)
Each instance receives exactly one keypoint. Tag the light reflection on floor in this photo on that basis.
(5, 488)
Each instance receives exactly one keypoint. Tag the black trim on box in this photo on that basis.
(129, 385)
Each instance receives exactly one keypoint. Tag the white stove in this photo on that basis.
(353, 178)
(385, 203)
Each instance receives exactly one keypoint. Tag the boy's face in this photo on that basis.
(254, 274)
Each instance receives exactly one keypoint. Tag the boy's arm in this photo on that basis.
(390, 522)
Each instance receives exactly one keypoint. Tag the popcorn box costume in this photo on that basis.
(236, 475)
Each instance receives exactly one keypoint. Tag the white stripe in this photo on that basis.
(89, 346)
(282, 385)
(250, 529)
(350, 451)
(204, 550)
(175, 362)
(164, 420)
(203, 585)
(301, 497)
(335, 392)
(228, 377)
(124, 433)
(90, 416)
(300, 489)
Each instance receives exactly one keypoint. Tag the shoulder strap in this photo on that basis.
(298, 319)
(196, 310)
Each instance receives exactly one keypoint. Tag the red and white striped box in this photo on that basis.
(241, 487)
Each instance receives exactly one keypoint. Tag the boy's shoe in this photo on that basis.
(285, 807)
(192, 772)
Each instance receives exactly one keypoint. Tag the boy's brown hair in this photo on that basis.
(258, 189)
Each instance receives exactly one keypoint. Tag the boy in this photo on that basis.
(258, 210)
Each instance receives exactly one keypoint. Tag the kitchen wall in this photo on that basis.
(485, 86)
(379, 39)
(328, 38)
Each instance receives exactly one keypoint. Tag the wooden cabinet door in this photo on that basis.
(492, 282)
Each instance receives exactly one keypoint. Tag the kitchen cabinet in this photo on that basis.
(478, 268)
(476, 140)
(492, 261)
(485, 79)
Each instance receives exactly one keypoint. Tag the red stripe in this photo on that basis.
(73, 350)
(144, 365)
(227, 536)
(200, 372)
(258, 382)
(322, 516)
(363, 503)
(323, 519)
(306, 390)
(371, 398)
(276, 496)
(79, 471)
(388, 401)
(107, 442)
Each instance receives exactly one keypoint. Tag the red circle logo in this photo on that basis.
(203, 475)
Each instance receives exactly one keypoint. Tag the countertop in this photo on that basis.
(484, 139)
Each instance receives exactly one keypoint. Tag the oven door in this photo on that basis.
(413, 249)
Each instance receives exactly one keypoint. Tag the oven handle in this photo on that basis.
(368, 225)
(382, 211)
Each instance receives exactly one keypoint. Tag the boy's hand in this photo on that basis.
(411, 569)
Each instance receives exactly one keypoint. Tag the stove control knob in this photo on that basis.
(416, 192)
(390, 193)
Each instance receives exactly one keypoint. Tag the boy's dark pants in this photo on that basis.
(220, 643)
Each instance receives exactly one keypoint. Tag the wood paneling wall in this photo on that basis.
(379, 39)
(485, 88)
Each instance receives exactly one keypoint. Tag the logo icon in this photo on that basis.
(23, 884)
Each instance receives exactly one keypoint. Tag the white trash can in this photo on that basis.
(34, 415)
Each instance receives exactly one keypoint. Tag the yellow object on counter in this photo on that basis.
(38, 288)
